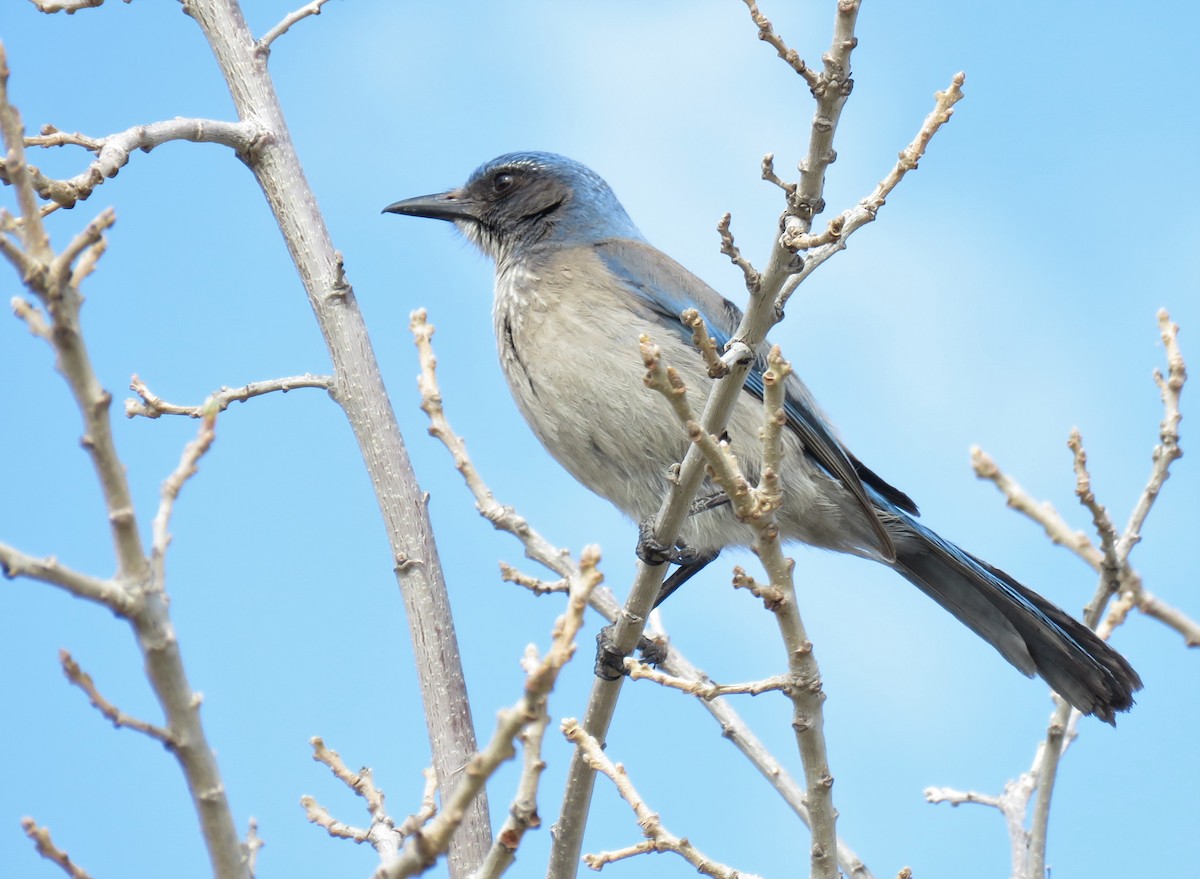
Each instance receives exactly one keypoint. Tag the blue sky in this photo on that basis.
(1007, 294)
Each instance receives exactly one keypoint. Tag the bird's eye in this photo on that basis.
(502, 181)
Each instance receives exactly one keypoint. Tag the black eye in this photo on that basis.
(502, 181)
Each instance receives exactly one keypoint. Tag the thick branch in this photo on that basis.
(422, 851)
(359, 390)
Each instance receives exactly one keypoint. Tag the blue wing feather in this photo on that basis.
(668, 289)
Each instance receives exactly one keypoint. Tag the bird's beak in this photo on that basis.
(450, 205)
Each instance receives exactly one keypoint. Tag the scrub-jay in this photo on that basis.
(576, 284)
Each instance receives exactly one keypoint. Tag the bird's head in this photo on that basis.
(520, 200)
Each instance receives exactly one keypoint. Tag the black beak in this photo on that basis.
(440, 206)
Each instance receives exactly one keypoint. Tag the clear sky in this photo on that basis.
(1007, 294)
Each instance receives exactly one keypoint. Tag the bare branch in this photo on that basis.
(19, 175)
(767, 34)
(425, 811)
(133, 592)
(867, 209)
(523, 812)
(503, 518)
(756, 507)
(705, 689)
(1110, 564)
(113, 151)
(1167, 451)
(263, 45)
(152, 406)
(1169, 616)
(509, 574)
(114, 715)
(14, 563)
(319, 815)
(383, 834)
(251, 847)
(733, 728)
(659, 838)
(769, 175)
(770, 596)
(172, 485)
(33, 317)
(422, 850)
(753, 279)
(1043, 513)
(705, 344)
(1111, 560)
(763, 310)
(48, 850)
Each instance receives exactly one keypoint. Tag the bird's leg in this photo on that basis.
(610, 662)
(711, 502)
(691, 562)
(649, 549)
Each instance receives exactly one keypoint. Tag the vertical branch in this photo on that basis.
(136, 592)
(358, 389)
(759, 316)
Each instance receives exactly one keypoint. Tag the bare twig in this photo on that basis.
(767, 34)
(33, 317)
(172, 485)
(756, 507)
(1110, 564)
(48, 850)
(523, 811)
(659, 839)
(132, 593)
(867, 209)
(705, 344)
(113, 151)
(14, 563)
(383, 834)
(733, 727)
(263, 45)
(150, 405)
(115, 716)
(537, 586)
(753, 279)
(1111, 561)
(1043, 513)
(251, 846)
(769, 175)
(830, 91)
(704, 689)
(1167, 451)
(423, 849)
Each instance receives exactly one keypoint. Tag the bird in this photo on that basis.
(577, 285)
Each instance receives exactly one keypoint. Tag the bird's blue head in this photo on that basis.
(520, 200)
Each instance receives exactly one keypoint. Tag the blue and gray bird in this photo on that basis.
(577, 284)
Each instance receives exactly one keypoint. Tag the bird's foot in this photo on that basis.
(649, 549)
(654, 552)
(610, 660)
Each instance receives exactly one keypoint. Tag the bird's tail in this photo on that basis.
(1030, 632)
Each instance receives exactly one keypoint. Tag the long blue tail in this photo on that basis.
(1030, 632)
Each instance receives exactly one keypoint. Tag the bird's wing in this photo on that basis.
(667, 289)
